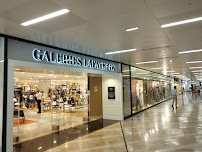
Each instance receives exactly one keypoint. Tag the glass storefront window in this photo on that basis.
(126, 90)
(1, 86)
(147, 88)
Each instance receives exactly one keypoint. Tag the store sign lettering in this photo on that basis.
(60, 58)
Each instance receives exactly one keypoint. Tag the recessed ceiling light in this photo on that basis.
(191, 51)
(122, 51)
(126, 75)
(17, 69)
(195, 67)
(132, 29)
(147, 62)
(66, 76)
(175, 73)
(182, 22)
(195, 62)
(46, 17)
(22, 72)
(161, 68)
(40, 76)
(197, 71)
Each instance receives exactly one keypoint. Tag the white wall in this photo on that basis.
(112, 108)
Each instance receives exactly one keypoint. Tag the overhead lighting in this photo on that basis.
(126, 75)
(175, 73)
(140, 73)
(169, 71)
(40, 76)
(22, 72)
(182, 22)
(195, 67)
(66, 76)
(132, 29)
(46, 17)
(191, 51)
(197, 71)
(147, 62)
(1, 61)
(122, 51)
(161, 68)
(195, 62)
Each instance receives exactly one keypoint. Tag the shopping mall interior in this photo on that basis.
(100, 75)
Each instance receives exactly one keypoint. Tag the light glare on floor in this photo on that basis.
(45, 17)
(182, 22)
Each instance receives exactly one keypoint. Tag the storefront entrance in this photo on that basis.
(67, 98)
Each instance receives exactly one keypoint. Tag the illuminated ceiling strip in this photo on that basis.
(197, 71)
(191, 51)
(195, 67)
(122, 51)
(195, 62)
(147, 62)
(161, 68)
(132, 29)
(182, 22)
(45, 17)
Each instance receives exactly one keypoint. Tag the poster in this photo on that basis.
(111, 92)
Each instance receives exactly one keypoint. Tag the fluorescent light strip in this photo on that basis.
(147, 62)
(123, 51)
(182, 22)
(45, 17)
(132, 29)
(195, 62)
(161, 68)
(197, 71)
(175, 73)
(168, 71)
(195, 67)
(126, 75)
(192, 51)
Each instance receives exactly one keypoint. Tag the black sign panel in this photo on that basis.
(111, 92)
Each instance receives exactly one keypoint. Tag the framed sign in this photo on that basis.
(111, 92)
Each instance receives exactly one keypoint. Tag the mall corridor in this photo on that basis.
(159, 129)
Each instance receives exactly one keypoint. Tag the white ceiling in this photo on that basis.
(98, 26)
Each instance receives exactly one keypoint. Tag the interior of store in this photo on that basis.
(67, 99)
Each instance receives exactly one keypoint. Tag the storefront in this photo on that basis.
(143, 89)
(93, 85)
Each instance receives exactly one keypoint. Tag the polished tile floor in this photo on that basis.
(159, 129)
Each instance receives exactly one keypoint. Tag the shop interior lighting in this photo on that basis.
(45, 17)
(122, 51)
(191, 51)
(195, 67)
(126, 75)
(132, 29)
(182, 22)
(147, 62)
(194, 62)
(161, 68)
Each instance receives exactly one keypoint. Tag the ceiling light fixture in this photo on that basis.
(132, 29)
(197, 71)
(191, 51)
(161, 68)
(195, 62)
(175, 73)
(147, 62)
(170, 71)
(122, 51)
(45, 17)
(182, 22)
(195, 67)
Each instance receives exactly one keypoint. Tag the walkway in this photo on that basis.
(159, 129)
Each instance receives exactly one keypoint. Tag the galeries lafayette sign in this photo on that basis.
(71, 60)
